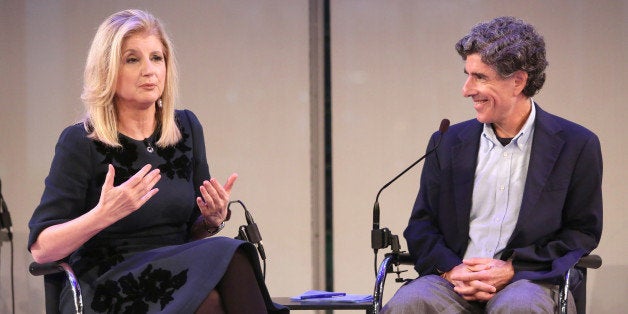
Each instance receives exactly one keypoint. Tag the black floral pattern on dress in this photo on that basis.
(133, 295)
(121, 157)
(180, 166)
(176, 161)
(103, 259)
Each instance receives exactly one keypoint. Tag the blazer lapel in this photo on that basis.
(463, 171)
(546, 147)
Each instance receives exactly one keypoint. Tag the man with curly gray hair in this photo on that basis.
(511, 199)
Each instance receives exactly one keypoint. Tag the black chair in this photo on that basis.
(392, 261)
(54, 274)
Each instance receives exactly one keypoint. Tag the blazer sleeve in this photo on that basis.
(425, 238)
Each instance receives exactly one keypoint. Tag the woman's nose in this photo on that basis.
(147, 68)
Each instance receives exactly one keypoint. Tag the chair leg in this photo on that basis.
(378, 293)
(563, 293)
(580, 292)
(76, 288)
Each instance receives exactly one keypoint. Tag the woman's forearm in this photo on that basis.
(58, 241)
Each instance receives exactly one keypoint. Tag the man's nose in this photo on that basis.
(468, 88)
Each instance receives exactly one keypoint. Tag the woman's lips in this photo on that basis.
(148, 86)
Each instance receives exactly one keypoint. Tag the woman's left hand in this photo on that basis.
(214, 200)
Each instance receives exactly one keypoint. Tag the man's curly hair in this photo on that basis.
(507, 45)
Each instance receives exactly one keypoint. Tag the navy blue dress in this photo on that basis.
(144, 263)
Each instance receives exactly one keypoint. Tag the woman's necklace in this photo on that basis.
(149, 144)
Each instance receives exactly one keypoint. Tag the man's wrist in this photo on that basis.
(443, 274)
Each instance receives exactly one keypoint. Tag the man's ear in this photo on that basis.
(520, 81)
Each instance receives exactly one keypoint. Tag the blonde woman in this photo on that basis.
(129, 200)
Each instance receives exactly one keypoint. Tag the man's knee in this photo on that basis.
(523, 296)
(429, 294)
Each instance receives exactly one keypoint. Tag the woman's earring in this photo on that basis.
(160, 103)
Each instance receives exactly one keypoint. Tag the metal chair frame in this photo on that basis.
(52, 284)
(390, 264)
(394, 260)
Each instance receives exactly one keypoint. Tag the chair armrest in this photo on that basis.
(37, 269)
(405, 259)
(590, 261)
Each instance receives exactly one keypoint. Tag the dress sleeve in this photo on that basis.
(200, 171)
(65, 191)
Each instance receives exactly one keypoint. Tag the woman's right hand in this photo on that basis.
(122, 200)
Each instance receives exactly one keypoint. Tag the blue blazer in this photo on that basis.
(561, 212)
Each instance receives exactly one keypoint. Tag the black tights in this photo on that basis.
(237, 292)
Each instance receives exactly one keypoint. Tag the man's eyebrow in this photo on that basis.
(476, 74)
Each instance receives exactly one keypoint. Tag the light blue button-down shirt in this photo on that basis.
(500, 178)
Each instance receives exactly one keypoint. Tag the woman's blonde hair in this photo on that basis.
(101, 74)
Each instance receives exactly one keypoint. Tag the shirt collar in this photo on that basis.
(521, 139)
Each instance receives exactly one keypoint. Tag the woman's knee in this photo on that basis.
(211, 304)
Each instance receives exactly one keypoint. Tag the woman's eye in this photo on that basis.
(157, 58)
(131, 60)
